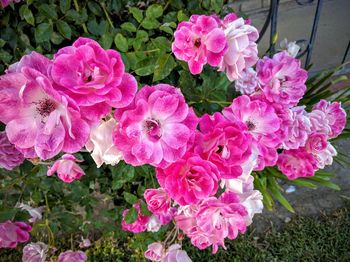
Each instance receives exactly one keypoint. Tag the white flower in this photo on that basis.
(101, 144)
(291, 47)
(325, 157)
(35, 213)
(153, 224)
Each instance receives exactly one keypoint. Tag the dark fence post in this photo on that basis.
(274, 9)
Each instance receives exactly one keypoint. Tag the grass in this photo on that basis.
(326, 238)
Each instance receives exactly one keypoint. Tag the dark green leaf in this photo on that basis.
(131, 216)
(7, 214)
(65, 5)
(137, 13)
(145, 71)
(48, 10)
(150, 23)
(27, 14)
(121, 42)
(144, 209)
(130, 198)
(154, 11)
(127, 26)
(5, 56)
(94, 8)
(106, 40)
(43, 32)
(164, 66)
(181, 16)
(64, 29)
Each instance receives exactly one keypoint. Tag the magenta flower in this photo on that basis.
(199, 41)
(10, 157)
(242, 50)
(335, 117)
(12, 233)
(35, 252)
(189, 179)
(40, 122)
(316, 143)
(94, 78)
(247, 83)
(262, 123)
(70, 256)
(297, 163)
(5, 3)
(156, 128)
(67, 169)
(158, 201)
(139, 225)
(227, 144)
(155, 252)
(282, 79)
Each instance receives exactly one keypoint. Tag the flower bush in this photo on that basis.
(137, 114)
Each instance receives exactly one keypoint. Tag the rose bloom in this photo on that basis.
(282, 79)
(155, 252)
(176, 254)
(297, 163)
(94, 78)
(156, 128)
(35, 252)
(158, 201)
(70, 256)
(242, 50)
(101, 144)
(40, 121)
(5, 3)
(139, 225)
(189, 179)
(247, 83)
(153, 224)
(10, 157)
(317, 142)
(12, 233)
(67, 169)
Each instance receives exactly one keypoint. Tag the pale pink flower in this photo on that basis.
(291, 47)
(35, 252)
(262, 123)
(155, 252)
(281, 78)
(156, 128)
(35, 213)
(335, 116)
(85, 243)
(247, 83)
(101, 144)
(40, 121)
(67, 169)
(325, 157)
(297, 163)
(242, 50)
(176, 254)
(12, 233)
(158, 201)
(298, 128)
(317, 142)
(10, 157)
(93, 77)
(71, 256)
(153, 224)
(190, 179)
(252, 201)
(319, 122)
(139, 225)
(225, 143)
(199, 41)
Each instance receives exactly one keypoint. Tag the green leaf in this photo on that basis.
(136, 13)
(144, 209)
(5, 56)
(162, 43)
(65, 5)
(276, 193)
(121, 42)
(64, 29)
(166, 29)
(131, 216)
(130, 198)
(145, 71)
(94, 8)
(216, 5)
(164, 66)
(106, 40)
(2, 42)
(127, 26)
(48, 10)
(154, 11)
(181, 16)
(7, 214)
(150, 23)
(27, 14)
(142, 35)
(56, 38)
(43, 32)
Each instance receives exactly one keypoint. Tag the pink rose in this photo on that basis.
(139, 225)
(94, 78)
(67, 169)
(199, 41)
(247, 83)
(12, 233)
(282, 79)
(35, 252)
(155, 252)
(316, 143)
(176, 254)
(156, 128)
(189, 179)
(157, 200)
(325, 156)
(40, 121)
(70, 256)
(10, 157)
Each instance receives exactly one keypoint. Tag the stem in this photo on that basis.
(76, 5)
(107, 15)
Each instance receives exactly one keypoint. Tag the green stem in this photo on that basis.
(76, 5)
(107, 15)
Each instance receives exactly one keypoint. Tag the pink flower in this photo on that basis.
(225, 143)
(261, 122)
(5, 3)
(67, 169)
(40, 122)
(35, 252)
(101, 144)
(335, 116)
(319, 122)
(10, 157)
(176, 254)
(153, 224)
(158, 201)
(156, 128)
(298, 128)
(189, 179)
(198, 42)
(70, 256)
(155, 252)
(12, 233)
(94, 78)
(247, 83)
(242, 50)
(317, 142)
(139, 225)
(282, 79)
(296, 163)
(325, 157)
